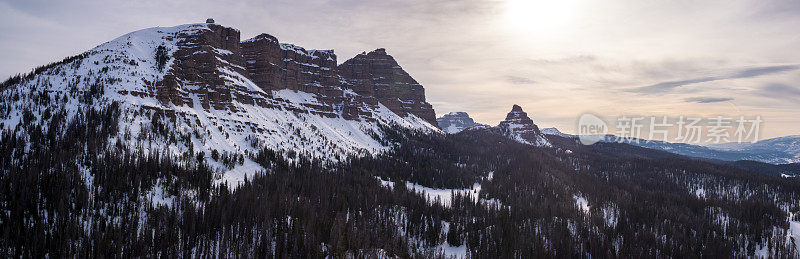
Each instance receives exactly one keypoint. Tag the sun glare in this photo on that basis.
(541, 17)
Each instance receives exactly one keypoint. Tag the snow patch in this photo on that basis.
(582, 203)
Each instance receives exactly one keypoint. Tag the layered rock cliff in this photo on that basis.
(207, 62)
(273, 65)
(213, 64)
(377, 74)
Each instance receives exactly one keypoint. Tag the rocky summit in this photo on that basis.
(377, 74)
(212, 56)
(521, 128)
(455, 122)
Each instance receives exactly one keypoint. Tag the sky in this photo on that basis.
(556, 59)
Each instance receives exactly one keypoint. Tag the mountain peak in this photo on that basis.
(455, 122)
(521, 128)
(377, 74)
(381, 51)
(517, 115)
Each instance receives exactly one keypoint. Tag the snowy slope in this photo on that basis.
(125, 71)
(556, 132)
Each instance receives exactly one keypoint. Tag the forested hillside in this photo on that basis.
(66, 195)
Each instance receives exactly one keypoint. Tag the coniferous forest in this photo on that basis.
(69, 194)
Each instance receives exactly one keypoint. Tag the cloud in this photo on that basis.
(743, 73)
(518, 80)
(760, 71)
(708, 99)
(780, 91)
(669, 85)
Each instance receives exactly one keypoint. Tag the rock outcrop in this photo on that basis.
(377, 74)
(211, 62)
(273, 65)
(206, 62)
(520, 127)
(455, 122)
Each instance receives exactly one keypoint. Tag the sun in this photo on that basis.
(541, 17)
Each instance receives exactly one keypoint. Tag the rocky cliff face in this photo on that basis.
(520, 127)
(273, 65)
(377, 74)
(208, 63)
(276, 66)
(455, 122)
(211, 63)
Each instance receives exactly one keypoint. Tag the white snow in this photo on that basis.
(700, 193)
(452, 129)
(610, 215)
(443, 195)
(237, 175)
(793, 232)
(453, 251)
(515, 130)
(582, 203)
(158, 196)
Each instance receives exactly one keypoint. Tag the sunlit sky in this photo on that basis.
(557, 59)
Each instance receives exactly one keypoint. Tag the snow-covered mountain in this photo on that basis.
(455, 122)
(215, 94)
(518, 126)
(773, 151)
(782, 149)
(788, 144)
(556, 132)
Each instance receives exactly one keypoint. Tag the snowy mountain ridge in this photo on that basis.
(781, 150)
(205, 98)
(455, 122)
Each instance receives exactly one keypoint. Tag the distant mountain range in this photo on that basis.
(781, 150)
(517, 126)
